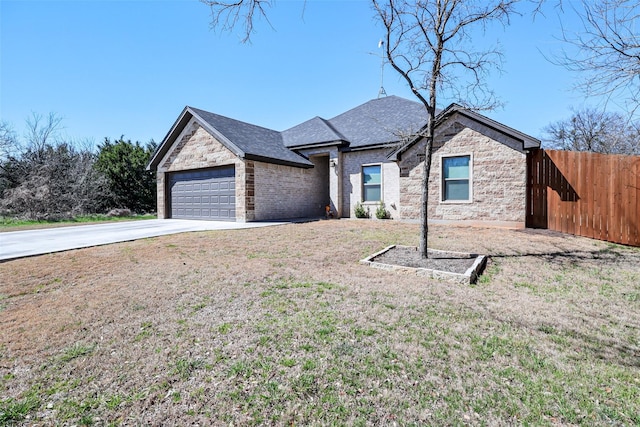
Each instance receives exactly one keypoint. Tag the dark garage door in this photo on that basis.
(204, 194)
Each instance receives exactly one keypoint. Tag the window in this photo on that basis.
(456, 178)
(371, 183)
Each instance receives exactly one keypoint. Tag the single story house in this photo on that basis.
(216, 168)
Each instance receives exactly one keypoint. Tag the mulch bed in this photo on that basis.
(408, 256)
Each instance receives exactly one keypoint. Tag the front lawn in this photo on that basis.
(282, 325)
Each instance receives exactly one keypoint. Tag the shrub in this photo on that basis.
(51, 182)
(119, 212)
(360, 211)
(381, 211)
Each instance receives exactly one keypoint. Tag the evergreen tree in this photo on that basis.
(123, 164)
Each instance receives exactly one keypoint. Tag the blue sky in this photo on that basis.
(118, 67)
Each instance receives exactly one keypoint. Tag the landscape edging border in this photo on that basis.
(469, 277)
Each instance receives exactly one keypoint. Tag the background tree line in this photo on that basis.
(594, 130)
(45, 176)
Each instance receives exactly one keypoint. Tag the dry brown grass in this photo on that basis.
(283, 325)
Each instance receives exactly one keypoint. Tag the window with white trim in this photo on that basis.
(371, 183)
(456, 178)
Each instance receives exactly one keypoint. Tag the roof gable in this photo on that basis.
(255, 142)
(528, 142)
(245, 140)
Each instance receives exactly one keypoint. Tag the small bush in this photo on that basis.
(119, 212)
(360, 211)
(382, 212)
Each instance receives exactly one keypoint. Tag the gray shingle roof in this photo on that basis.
(314, 131)
(377, 122)
(380, 121)
(245, 140)
(254, 142)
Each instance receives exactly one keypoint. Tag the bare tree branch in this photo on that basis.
(429, 44)
(606, 51)
(8, 140)
(41, 130)
(226, 15)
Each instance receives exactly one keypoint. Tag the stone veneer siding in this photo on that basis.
(499, 177)
(352, 178)
(290, 192)
(197, 149)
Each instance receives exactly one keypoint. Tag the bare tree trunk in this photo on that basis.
(424, 230)
(424, 220)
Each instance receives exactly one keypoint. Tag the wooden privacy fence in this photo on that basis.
(586, 194)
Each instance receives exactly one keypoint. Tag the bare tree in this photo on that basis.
(607, 50)
(225, 15)
(429, 44)
(8, 145)
(596, 131)
(8, 139)
(41, 130)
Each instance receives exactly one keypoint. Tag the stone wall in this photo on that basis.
(160, 190)
(245, 207)
(197, 149)
(290, 192)
(498, 177)
(352, 181)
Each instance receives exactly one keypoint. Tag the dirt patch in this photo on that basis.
(408, 256)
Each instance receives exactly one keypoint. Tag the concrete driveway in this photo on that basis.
(18, 244)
